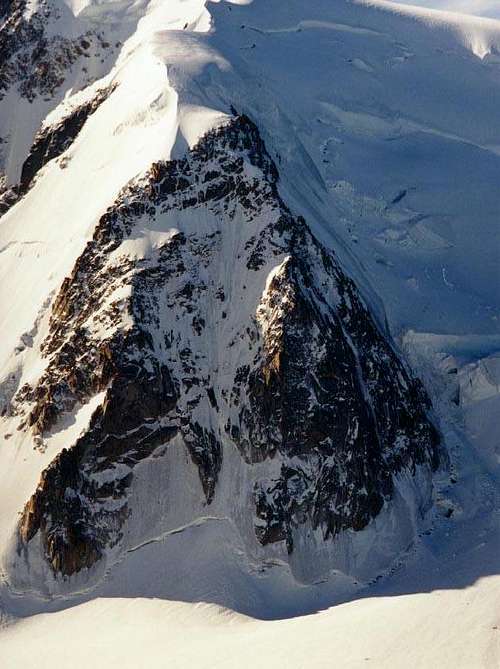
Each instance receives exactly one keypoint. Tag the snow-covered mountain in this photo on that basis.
(250, 293)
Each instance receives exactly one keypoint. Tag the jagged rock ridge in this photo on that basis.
(205, 311)
(34, 61)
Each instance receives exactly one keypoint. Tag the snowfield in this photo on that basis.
(384, 632)
(486, 8)
(383, 119)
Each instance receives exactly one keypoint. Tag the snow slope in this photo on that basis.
(486, 8)
(379, 632)
(384, 124)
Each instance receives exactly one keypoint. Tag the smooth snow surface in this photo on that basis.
(383, 120)
(377, 632)
(486, 8)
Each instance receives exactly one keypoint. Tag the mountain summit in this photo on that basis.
(249, 292)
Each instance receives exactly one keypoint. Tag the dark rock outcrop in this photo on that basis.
(33, 61)
(9, 195)
(332, 398)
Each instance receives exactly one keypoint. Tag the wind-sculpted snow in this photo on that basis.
(207, 312)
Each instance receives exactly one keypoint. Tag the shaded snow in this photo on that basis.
(452, 629)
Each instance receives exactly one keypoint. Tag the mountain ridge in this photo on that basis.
(225, 237)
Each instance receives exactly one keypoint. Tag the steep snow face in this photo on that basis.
(486, 8)
(383, 126)
(403, 155)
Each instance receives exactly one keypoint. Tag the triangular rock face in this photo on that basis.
(205, 312)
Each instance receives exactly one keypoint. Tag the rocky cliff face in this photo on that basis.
(204, 311)
(33, 57)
